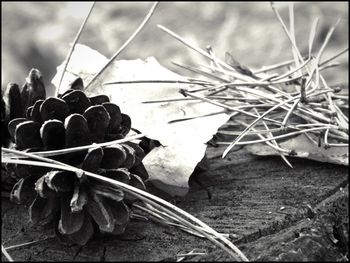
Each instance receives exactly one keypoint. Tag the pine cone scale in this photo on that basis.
(75, 204)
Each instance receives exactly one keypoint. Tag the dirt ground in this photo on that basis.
(260, 202)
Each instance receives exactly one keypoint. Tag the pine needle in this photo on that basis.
(173, 211)
(290, 37)
(197, 117)
(273, 67)
(334, 57)
(325, 42)
(121, 49)
(7, 255)
(28, 243)
(283, 136)
(312, 35)
(87, 147)
(202, 72)
(240, 92)
(292, 71)
(156, 82)
(202, 52)
(72, 48)
(289, 113)
(255, 121)
(292, 32)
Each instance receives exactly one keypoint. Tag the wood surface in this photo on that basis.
(270, 211)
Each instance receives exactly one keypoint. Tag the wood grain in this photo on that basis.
(263, 204)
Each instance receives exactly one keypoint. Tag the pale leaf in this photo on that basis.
(183, 143)
(305, 148)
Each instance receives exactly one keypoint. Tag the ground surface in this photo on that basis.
(271, 212)
(260, 202)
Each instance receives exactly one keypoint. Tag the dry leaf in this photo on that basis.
(305, 148)
(183, 143)
(230, 60)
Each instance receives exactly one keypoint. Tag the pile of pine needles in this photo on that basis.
(276, 102)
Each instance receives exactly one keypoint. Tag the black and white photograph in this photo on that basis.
(175, 131)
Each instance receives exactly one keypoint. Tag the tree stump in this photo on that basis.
(270, 211)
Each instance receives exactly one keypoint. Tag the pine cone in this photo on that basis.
(81, 206)
(78, 206)
(13, 103)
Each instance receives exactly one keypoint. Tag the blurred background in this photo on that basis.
(38, 34)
